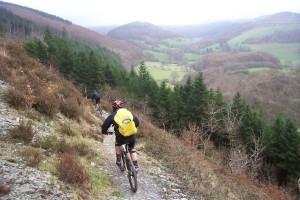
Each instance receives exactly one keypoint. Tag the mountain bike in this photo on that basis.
(127, 165)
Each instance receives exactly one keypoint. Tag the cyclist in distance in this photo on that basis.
(125, 127)
(96, 97)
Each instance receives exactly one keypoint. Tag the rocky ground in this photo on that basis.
(28, 183)
(20, 182)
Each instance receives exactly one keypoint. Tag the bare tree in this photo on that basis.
(237, 158)
(209, 126)
(255, 159)
(190, 135)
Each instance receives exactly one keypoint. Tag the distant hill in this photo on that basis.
(141, 31)
(216, 30)
(229, 29)
(279, 18)
(103, 29)
(129, 53)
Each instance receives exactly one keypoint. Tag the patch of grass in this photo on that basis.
(100, 182)
(117, 194)
(23, 132)
(52, 179)
(66, 129)
(46, 143)
(63, 144)
(49, 165)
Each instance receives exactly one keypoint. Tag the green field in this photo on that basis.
(287, 53)
(173, 73)
(180, 41)
(258, 69)
(261, 32)
(253, 70)
(191, 56)
(159, 56)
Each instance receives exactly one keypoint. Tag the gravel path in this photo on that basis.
(153, 182)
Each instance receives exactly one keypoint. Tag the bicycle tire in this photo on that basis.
(132, 176)
(123, 161)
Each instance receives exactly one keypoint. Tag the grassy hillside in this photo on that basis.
(287, 53)
(262, 31)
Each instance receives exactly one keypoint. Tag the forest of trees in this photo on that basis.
(15, 25)
(90, 67)
(272, 148)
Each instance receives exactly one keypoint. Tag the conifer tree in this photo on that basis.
(197, 100)
(283, 149)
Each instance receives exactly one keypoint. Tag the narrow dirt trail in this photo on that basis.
(153, 182)
(147, 188)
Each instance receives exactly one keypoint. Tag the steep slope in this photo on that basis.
(42, 164)
(129, 53)
(141, 31)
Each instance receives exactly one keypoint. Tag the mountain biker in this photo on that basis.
(96, 96)
(122, 137)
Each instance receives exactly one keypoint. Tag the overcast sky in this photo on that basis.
(160, 12)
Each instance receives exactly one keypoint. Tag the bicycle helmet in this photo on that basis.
(117, 104)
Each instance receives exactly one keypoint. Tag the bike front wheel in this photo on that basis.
(132, 177)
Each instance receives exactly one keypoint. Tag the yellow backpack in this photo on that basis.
(124, 119)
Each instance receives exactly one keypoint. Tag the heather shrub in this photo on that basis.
(70, 108)
(47, 104)
(32, 156)
(23, 132)
(18, 98)
(72, 171)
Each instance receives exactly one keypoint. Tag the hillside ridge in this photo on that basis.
(129, 53)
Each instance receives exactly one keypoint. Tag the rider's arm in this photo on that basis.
(136, 121)
(107, 122)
